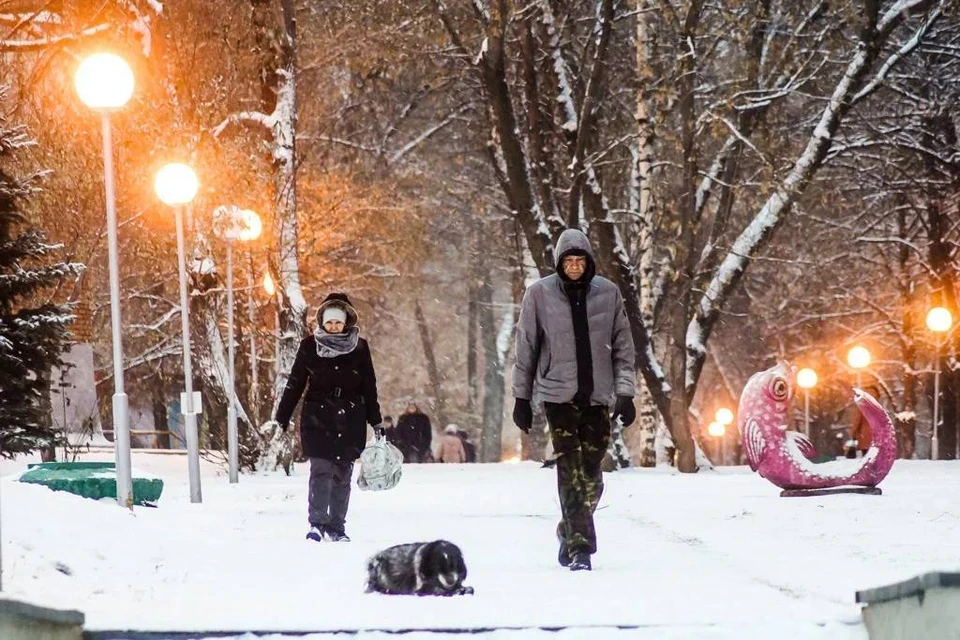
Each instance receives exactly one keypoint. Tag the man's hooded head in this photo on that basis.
(573, 243)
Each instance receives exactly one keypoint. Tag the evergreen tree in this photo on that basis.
(33, 333)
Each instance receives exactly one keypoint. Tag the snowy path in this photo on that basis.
(712, 555)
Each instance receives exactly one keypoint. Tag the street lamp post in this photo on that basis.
(176, 185)
(717, 429)
(724, 417)
(939, 320)
(858, 358)
(234, 224)
(806, 380)
(104, 83)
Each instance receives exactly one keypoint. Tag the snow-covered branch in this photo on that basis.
(427, 134)
(778, 204)
(32, 44)
(245, 116)
(905, 50)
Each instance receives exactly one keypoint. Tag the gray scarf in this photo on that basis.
(331, 345)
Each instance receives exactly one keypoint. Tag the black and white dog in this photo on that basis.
(419, 568)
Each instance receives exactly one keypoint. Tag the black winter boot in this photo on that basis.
(580, 562)
(563, 555)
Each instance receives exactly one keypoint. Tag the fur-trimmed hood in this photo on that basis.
(338, 300)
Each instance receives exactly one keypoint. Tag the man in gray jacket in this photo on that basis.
(575, 354)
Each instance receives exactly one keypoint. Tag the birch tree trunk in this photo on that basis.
(292, 310)
(643, 440)
(491, 437)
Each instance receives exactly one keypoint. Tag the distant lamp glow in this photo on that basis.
(251, 225)
(268, 284)
(176, 184)
(724, 416)
(858, 357)
(939, 320)
(716, 429)
(807, 378)
(104, 81)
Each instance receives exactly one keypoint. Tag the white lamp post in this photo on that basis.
(234, 224)
(806, 380)
(858, 358)
(176, 185)
(940, 321)
(104, 83)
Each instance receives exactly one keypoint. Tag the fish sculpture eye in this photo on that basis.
(779, 388)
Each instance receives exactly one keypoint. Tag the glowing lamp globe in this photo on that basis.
(724, 416)
(939, 320)
(858, 357)
(807, 378)
(176, 184)
(716, 429)
(268, 284)
(104, 81)
(251, 226)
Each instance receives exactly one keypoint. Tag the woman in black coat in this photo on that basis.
(335, 368)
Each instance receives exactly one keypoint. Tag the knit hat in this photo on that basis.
(334, 313)
(339, 301)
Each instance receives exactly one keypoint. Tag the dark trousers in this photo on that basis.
(329, 493)
(580, 438)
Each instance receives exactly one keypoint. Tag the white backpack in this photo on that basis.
(381, 465)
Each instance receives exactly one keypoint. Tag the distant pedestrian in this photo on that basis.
(390, 431)
(860, 431)
(575, 352)
(415, 432)
(451, 446)
(468, 447)
(335, 368)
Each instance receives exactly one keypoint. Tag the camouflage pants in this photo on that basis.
(580, 437)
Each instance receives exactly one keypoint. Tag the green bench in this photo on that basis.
(93, 480)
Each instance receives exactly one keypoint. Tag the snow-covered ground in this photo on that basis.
(712, 555)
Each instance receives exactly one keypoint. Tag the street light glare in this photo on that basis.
(716, 429)
(251, 226)
(268, 284)
(807, 378)
(104, 81)
(176, 184)
(858, 357)
(939, 319)
(724, 416)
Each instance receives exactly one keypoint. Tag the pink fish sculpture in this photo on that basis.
(783, 457)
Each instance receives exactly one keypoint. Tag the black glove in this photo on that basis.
(523, 414)
(624, 411)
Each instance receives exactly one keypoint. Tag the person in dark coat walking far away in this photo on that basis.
(335, 368)
(414, 430)
(575, 353)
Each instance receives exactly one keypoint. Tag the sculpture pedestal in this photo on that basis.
(807, 493)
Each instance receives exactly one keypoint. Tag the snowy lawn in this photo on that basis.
(712, 555)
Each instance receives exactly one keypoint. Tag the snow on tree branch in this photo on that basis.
(905, 50)
(33, 44)
(778, 204)
(245, 116)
